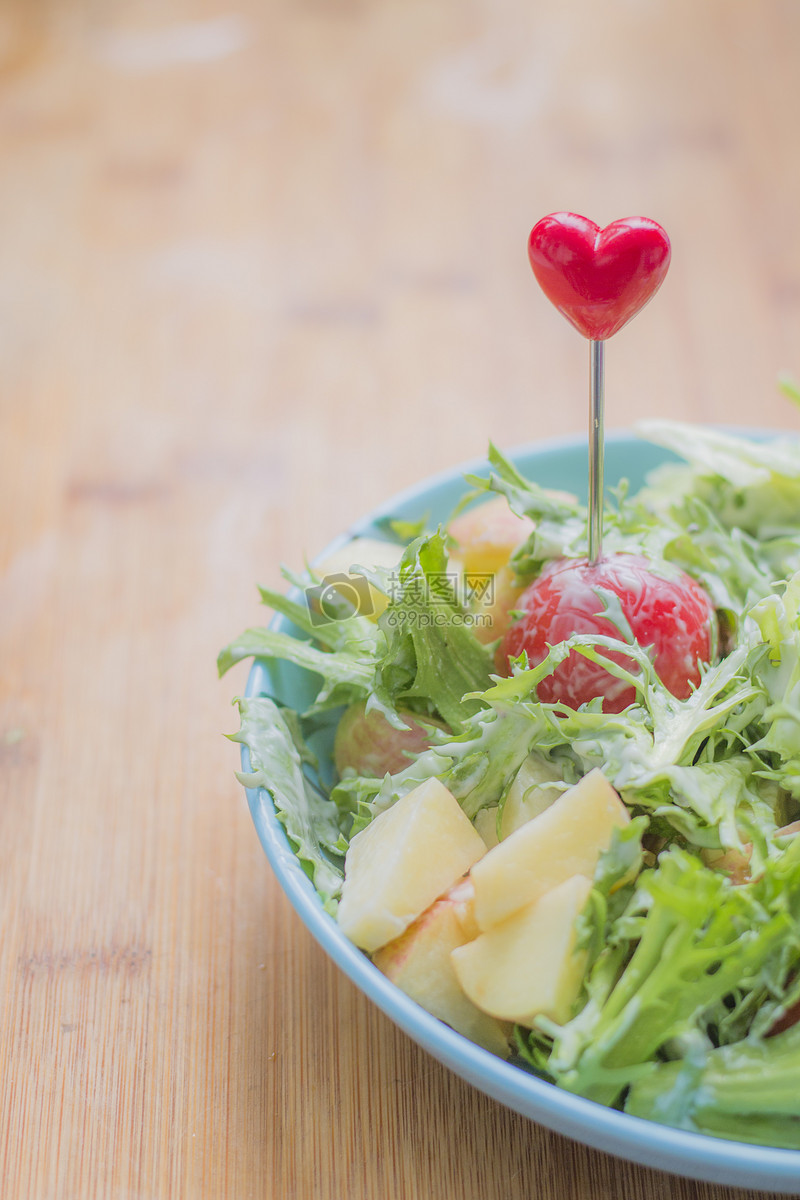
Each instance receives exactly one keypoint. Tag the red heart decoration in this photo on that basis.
(598, 278)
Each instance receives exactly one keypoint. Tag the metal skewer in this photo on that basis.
(596, 449)
(598, 279)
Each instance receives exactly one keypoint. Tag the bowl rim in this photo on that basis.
(682, 1152)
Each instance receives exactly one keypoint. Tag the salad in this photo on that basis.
(563, 804)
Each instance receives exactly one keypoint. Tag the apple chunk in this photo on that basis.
(403, 861)
(486, 824)
(484, 539)
(528, 966)
(491, 602)
(532, 791)
(487, 535)
(537, 784)
(367, 743)
(564, 840)
(419, 963)
(462, 897)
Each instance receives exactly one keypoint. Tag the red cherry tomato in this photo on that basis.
(664, 607)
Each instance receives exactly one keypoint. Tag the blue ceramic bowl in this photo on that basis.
(560, 464)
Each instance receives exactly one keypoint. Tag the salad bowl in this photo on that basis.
(557, 464)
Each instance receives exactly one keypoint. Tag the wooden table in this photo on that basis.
(263, 264)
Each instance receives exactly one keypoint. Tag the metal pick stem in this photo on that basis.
(596, 450)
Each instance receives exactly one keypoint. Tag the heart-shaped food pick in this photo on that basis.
(598, 278)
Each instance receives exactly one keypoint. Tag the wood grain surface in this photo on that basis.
(262, 264)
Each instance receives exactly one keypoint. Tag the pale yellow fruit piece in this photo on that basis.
(531, 792)
(362, 552)
(419, 963)
(462, 897)
(406, 858)
(486, 824)
(566, 839)
(528, 965)
(491, 601)
(487, 535)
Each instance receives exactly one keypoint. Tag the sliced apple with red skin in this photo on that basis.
(419, 963)
(736, 863)
(529, 964)
(462, 897)
(367, 743)
(733, 863)
(566, 839)
(405, 859)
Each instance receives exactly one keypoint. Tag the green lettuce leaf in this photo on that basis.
(432, 658)
(345, 676)
(311, 820)
(689, 939)
(748, 1091)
